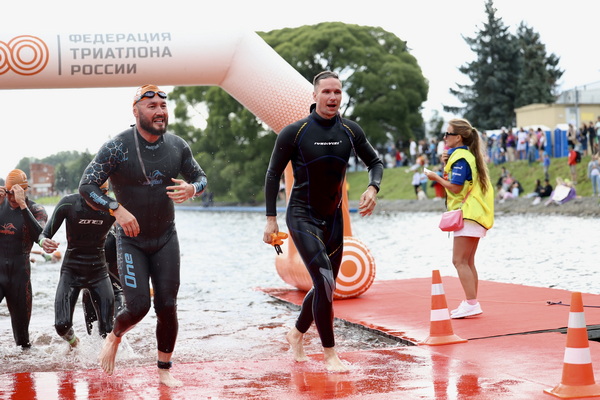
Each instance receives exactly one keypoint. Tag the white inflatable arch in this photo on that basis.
(240, 62)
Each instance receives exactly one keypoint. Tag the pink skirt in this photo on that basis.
(471, 229)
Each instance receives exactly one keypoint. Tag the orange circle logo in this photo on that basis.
(25, 55)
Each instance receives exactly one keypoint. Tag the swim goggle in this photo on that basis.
(150, 94)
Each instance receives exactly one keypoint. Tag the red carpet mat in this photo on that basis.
(401, 308)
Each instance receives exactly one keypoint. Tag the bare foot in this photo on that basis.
(294, 338)
(167, 379)
(332, 361)
(109, 353)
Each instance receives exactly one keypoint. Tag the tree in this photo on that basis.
(61, 178)
(489, 100)
(233, 148)
(435, 123)
(383, 83)
(384, 88)
(540, 73)
(509, 72)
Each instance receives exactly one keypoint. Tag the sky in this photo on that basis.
(41, 122)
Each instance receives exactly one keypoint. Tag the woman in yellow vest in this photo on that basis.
(467, 184)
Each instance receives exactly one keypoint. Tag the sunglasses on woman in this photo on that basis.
(150, 94)
(451, 134)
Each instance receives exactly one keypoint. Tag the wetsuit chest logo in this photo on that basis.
(155, 178)
(336, 143)
(8, 229)
(91, 222)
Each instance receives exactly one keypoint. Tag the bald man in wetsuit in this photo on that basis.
(143, 164)
(21, 222)
(84, 265)
(319, 147)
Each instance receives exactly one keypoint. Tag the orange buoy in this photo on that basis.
(357, 271)
(356, 275)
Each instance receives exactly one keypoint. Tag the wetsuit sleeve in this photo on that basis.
(280, 157)
(58, 216)
(34, 217)
(96, 173)
(368, 156)
(191, 170)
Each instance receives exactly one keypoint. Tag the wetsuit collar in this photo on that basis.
(321, 120)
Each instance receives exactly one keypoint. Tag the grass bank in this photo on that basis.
(396, 184)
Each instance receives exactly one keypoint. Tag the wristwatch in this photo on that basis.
(112, 206)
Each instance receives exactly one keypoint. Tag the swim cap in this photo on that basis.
(147, 88)
(16, 177)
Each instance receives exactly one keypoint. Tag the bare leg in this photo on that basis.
(294, 338)
(164, 375)
(109, 353)
(332, 361)
(463, 259)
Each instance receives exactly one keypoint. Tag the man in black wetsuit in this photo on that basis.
(319, 147)
(143, 164)
(84, 265)
(21, 222)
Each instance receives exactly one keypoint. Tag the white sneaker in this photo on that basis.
(466, 310)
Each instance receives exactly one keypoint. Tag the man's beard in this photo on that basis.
(147, 125)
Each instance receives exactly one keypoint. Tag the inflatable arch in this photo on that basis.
(239, 62)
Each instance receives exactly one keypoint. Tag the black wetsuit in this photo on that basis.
(84, 265)
(319, 150)
(154, 254)
(19, 229)
(110, 251)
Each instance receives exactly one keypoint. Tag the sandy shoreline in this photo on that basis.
(581, 206)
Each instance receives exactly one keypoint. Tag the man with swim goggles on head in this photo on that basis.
(143, 164)
(21, 222)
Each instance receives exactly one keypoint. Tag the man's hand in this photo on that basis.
(271, 227)
(19, 194)
(181, 192)
(127, 221)
(49, 245)
(368, 201)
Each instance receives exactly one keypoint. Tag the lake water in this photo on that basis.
(222, 315)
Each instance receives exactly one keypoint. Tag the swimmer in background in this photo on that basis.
(84, 265)
(49, 258)
(21, 222)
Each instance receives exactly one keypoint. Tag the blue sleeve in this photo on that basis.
(461, 172)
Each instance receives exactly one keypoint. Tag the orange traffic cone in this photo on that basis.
(578, 375)
(440, 329)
